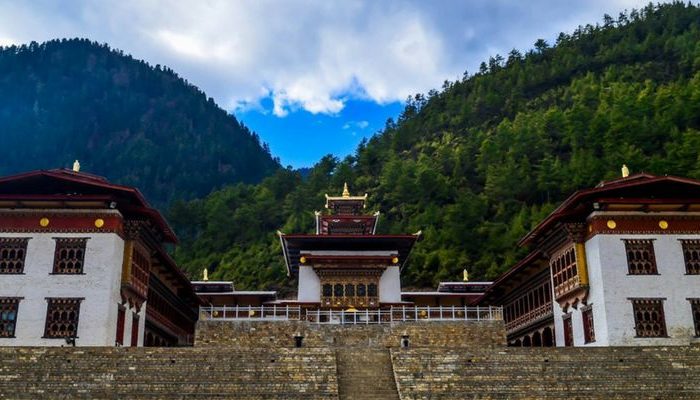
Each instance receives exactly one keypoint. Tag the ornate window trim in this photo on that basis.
(9, 311)
(641, 259)
(691, 255)
(69, 256)
(13, 253)
(568, 330)
(649, 317)
(588, 324)
(62, 317)
(695, 310)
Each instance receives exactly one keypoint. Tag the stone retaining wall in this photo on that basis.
(255, 334)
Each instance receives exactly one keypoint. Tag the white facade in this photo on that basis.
(390, 285)
(309, 285)
(612, 287)
(98, 285)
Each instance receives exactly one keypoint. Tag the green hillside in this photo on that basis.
(122, 118)
(478, 163)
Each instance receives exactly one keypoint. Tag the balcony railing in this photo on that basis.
(566, 286)
(359, 317)
(534, 315)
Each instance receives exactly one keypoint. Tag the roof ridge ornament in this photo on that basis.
(76, 166)
(625, 171)
(346, 192)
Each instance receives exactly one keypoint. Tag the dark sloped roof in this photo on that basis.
(636, 186)
(68, 185)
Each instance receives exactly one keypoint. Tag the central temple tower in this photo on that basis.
(345, 264)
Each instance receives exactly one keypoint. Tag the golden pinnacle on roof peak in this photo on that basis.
(346, 192)
(465, 275)
(205, 275)
(625, 171)
(76, 166)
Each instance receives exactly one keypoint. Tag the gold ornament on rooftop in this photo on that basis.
(346, 192)
(625, 171)
(205, 275)
(465, 275)
(76, 166)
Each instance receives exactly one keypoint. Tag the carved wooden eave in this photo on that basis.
(578, 294)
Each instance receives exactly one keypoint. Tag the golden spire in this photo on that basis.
(465, 275)
(205, 275)
(76, 166)
(346, 192)
(625, 171)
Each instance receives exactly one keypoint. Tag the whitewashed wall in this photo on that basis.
(99, 285)
(390, 286)
(309, 285)
(612, 288)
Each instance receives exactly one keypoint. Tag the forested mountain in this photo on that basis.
(478, 163)
(122, 118)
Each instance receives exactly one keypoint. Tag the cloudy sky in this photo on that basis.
(310, 77)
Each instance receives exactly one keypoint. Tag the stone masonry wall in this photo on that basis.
(256, 334)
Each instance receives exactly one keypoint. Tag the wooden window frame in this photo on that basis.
(9, 304)
(638, 306)
(52, 304)
(16, 245)
(588, 324)
(121, 320)
(691, 256)
(643, 245)
(135, 330)
(695, 310)
(69, 244)
(568, 330)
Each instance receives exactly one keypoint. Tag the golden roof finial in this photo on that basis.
(205, 275)
(346, 192)
(625, 171)
(76, 166)
(465, 275)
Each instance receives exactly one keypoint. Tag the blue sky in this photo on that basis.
(302, 138)
(311, 77)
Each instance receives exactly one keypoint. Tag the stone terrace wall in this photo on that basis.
(549, 373)
(166, 373)
(261, 334)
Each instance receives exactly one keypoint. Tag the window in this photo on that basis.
(640, 257)
(69, 255)
(564, 272)
(120, 325)
(695, 308)
(62, 317)
(568, 331)
(327, 290)
(372, 290)
(8, 316)
(135, 330)
(338, 290)
(12, 253)
(649, 318)
(349, 290)
(588, 327)
(361, 290)
(691, 253)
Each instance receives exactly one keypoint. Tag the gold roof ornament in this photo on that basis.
(346, 192)
(205, 275)
(345, 196)
(76, 166)
(465, 275)
(625, 171)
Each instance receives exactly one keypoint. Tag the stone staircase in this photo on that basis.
(167, 373)
(550, 373)
(365, 374)
(350, 373)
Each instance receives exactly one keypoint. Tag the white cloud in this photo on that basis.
(306, 54)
